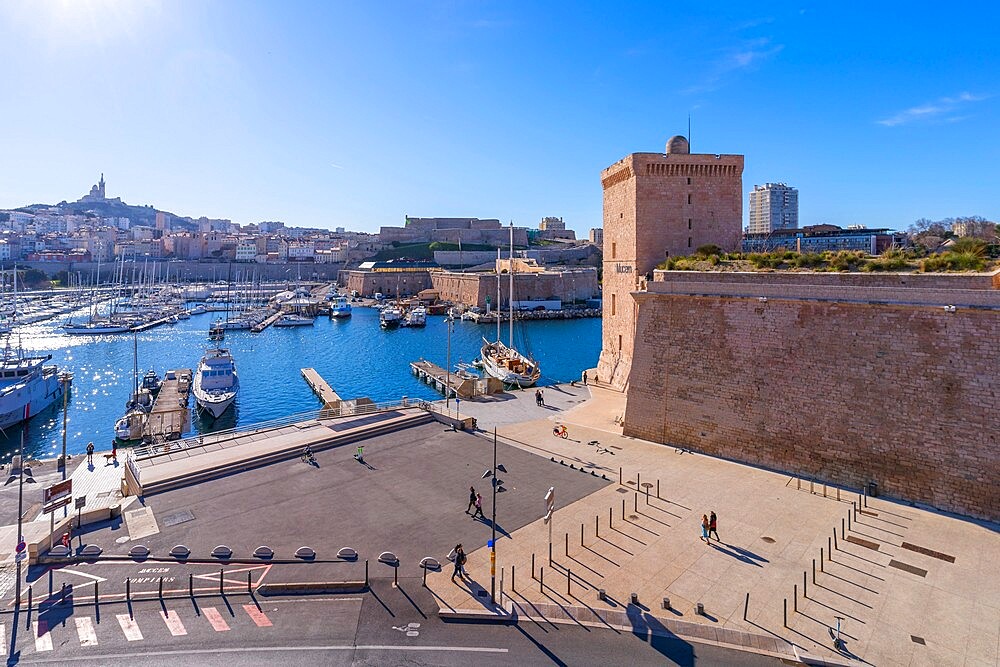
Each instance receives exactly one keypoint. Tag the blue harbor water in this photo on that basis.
(354, 356)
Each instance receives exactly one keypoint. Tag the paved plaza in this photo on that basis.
(912, 586)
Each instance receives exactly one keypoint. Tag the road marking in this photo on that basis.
(129, 627)
(43, 640)
(85, 628)
(258, 616)
(3, 635)
(113, 657)
(173, 622)
(215, 618)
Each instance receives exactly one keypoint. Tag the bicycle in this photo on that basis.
(560, 432)
(619, 420)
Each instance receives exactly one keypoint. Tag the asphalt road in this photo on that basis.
(385, 626)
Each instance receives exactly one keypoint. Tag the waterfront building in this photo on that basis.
(773, 206)
(820, 238)
(532, 285)
(658, 205)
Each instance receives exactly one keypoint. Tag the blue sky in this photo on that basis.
(356, 114)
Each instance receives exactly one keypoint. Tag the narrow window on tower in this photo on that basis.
(614, 250)
(613, 304)
(689, 180)
(689, 241)
(689, 223)
(619, 343)
(689, 198)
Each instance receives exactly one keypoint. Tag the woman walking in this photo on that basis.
(460, 559)
(479, 507)
(704, 527)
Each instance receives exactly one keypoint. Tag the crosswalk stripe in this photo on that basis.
(3, 635)
(173, 622)
(129, 627)
(85, 628)
(43, 640)
(215, 618)
(258, 616)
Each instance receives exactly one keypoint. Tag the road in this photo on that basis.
(384, 626)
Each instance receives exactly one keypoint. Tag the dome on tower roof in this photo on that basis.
(678, 144)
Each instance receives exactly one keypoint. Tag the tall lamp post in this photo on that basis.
(65, 379)
(447, 389)
(20, 512)
(497, 484)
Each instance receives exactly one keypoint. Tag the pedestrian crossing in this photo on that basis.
(130, 627)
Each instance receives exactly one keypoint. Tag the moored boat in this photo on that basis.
(340, 308)
(390, 317)
(216, 383)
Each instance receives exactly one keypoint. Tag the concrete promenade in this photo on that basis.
(913, 587)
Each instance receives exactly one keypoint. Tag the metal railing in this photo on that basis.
(190, 444)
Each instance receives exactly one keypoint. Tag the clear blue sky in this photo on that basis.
(355, 114)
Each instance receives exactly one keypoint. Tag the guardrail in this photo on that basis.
(343, 409)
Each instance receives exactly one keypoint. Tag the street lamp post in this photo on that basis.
(447, 387)
(497, 488)
(20, 512)
(65, 379)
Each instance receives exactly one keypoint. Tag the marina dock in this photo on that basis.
(170, 412)
(460, 385)
(320, 387)
(271, 319)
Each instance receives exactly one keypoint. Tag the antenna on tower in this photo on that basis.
(689, 132)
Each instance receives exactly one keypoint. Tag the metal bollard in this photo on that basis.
(795, 597)
(848, 522)
(635, 502)
(638, 479)
(160, 589)
(810, 486)
(395, 576)
(824, 489)
(366, 572)
(657, 489)
(533, 567)
(699, 609)
(541, 579)
(581, 534)
(221, 591)
(611, 517)
(805, 585)
(746, 607)
(569, 580)
(550, 553)
(786, 613)
(834, 542)
(191, 585)
(666, 602)
(843, 531)
(814, 569)
(597, 526)
(620, 479)
(634, 597)
(567, 544)
(821, 557)
(95, 594)
(512, 579)
(128, 589)
(838, 494)
(250, 585)
(623, 509)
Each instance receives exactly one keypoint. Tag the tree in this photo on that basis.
(34, 278)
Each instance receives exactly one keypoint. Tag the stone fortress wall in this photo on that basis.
(842, 378)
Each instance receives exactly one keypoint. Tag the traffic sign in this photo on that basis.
(80, 502)
(21, 546)
(20, 556)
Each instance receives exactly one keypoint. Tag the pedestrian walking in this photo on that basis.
(704, 528)
(114, 451)
(712, 523)
(361, 453)
(460, 560)
(472, 500)
(479, 506)
(585, 378)
(538, 397)
(541, 398)
(65, 540)
(90, 452)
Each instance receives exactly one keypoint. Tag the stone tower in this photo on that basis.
(659, 205)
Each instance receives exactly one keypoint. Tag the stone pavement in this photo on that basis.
(913, 587)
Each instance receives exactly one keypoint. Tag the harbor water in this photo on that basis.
(353, 355)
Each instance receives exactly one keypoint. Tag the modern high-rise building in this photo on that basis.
(773, 206)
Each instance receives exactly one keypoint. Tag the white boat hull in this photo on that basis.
(508, 365)
(21, 403)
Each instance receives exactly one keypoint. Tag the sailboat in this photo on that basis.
(95, 324)
(505, 362)
(129, 427)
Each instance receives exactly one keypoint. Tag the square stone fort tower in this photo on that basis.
(659, 205)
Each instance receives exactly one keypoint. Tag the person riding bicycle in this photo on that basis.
(307, 454)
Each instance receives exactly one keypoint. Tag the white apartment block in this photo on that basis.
(773, 206)
(246, 251)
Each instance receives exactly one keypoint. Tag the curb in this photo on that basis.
(312, 588)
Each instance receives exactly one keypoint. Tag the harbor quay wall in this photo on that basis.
(472, 289)
(830, 386)
(194, 271)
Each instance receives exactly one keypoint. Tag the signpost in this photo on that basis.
(550, 508)
(54, 497)
(80, 502)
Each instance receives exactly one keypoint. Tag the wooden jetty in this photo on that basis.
(459, 385)
(257, 328)
(170, 410)
(155, 323)
(325, 392)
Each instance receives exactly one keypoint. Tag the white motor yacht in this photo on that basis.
(415, 317)
(216, 383)
(340, 307)
(294, 320)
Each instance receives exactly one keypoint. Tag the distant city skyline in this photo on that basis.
(357, 116)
